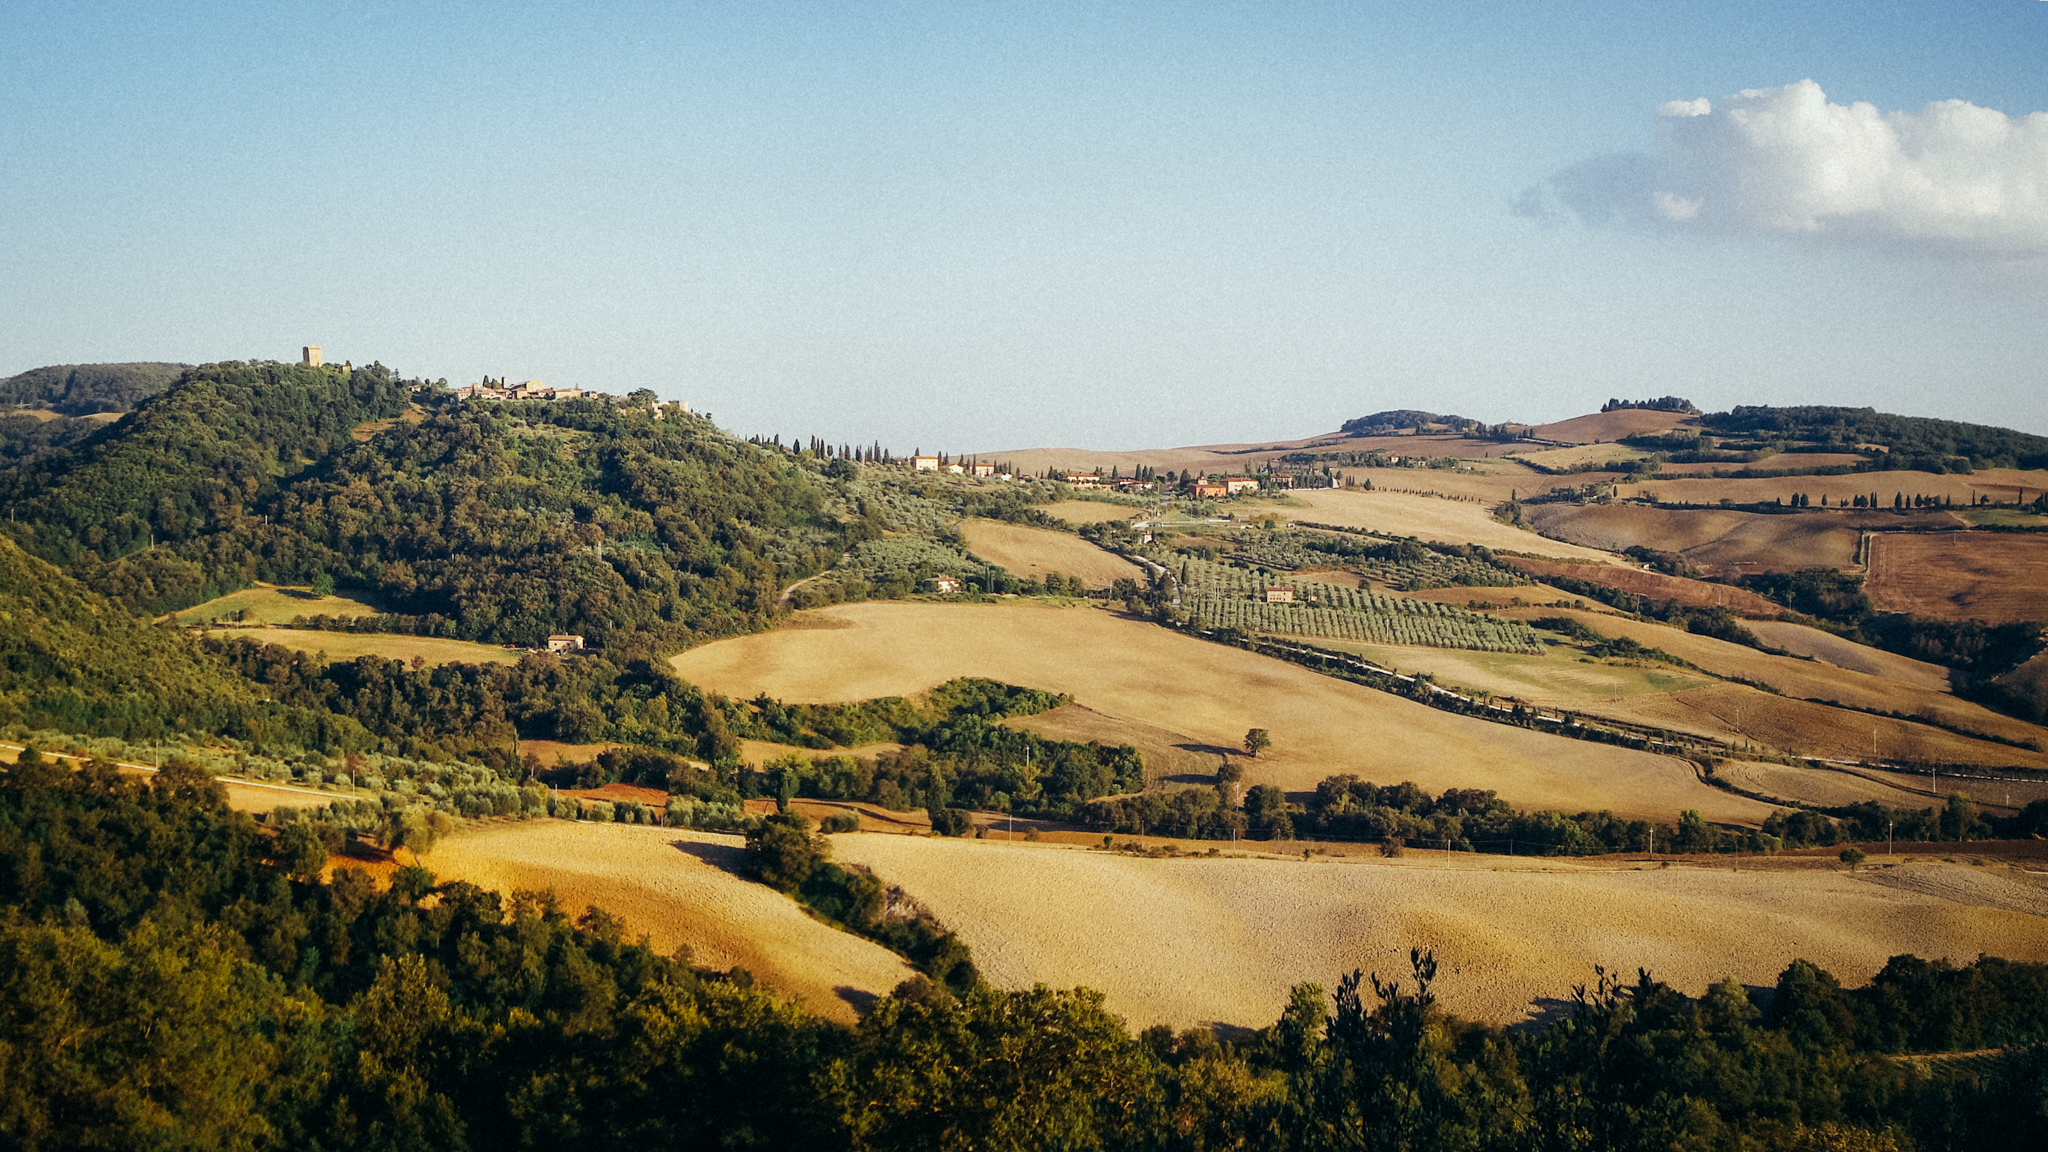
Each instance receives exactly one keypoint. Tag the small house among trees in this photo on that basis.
(943, 584)
(565, 642)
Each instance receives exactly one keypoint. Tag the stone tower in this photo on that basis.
(311, 356)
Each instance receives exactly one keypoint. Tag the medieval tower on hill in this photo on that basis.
(310, 356)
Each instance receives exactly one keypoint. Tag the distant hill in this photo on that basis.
(1397, 419)
(83, 389)
(1918, 436)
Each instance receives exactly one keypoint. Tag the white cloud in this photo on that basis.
(1786, 161)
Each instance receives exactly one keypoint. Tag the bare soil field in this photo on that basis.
(1188, 942)
(679, 888)
(2001, 485)
(1657, 586)
(1996, 577)
(273, 604)
(1610, 425)
(1446, 521)
(551, 751)
(1089, 511)
(1034, 552)
(1801, 640)
(1133, 671)
(1728, 543)
(1788, 722)
(349, 645)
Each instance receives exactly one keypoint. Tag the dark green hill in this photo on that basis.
(500, 522)
(72, 661)
(191, 460)
(1915, 436)
(82, 389)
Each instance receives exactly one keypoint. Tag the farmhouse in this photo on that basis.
(955, 469)
(1084, 479)
(1280, 594)
(565, 642)
(1209, 490)
(982, 469)
(1237, 484)
(924, 463)
(943, 584)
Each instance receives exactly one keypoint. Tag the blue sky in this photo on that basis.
(1004, 225)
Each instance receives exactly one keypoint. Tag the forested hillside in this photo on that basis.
(82, 389)
(492, 522)
(1916, 436)
(71, 661)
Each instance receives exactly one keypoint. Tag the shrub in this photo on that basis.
(1852, 856)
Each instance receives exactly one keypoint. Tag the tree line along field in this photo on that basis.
(1994, 577)
(1960, 489)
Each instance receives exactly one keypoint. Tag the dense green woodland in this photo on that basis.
(173, 977)
(491, 522)
(82, 389)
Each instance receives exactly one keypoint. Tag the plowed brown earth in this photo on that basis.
(1961, 489)
(1995, 577)
(1189, 942)
(1656, 585)
(1728, 543)
(1140, 672)
(1610, 425)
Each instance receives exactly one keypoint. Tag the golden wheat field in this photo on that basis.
(679, 888)
(1034, 552)
(1089, 511)
(349, 645)
(1425, 518)
(273, 604)
(1203, 941)
(1581, 454)
(1140, 672)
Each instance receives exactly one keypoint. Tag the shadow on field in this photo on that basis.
(725, 857)
(1211, 750)
(860, 999)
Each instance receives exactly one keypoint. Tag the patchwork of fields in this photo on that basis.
(1151, 675)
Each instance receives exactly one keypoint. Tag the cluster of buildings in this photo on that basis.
(931, 464)
(528, 390)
